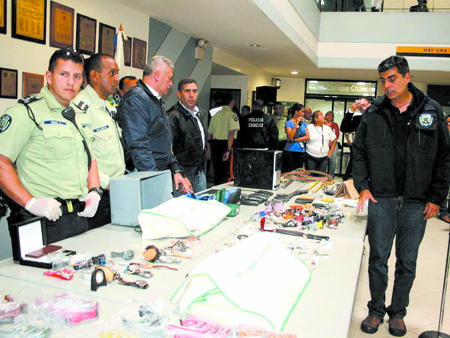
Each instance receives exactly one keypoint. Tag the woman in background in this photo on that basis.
(318, 150)
(329, 121)
(297, 133)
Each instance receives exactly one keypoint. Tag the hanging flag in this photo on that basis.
(118, 50)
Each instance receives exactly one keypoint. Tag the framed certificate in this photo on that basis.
(127, 51)
(139, 53)
(8, 83)
(106, 39)
(29, 19)
(31, 83)
(61, 25)
(86, 34)
(3, 16)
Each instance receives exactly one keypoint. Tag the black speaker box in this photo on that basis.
(267, 94)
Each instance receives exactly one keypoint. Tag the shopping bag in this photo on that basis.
(181, 217)
(257, 282)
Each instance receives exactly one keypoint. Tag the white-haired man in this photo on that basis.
(146, 126)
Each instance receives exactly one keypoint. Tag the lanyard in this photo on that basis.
(323, 144)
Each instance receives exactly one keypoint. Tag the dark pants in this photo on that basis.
(316, 163)
(222, 169)
(389, 218)
(103, 214)
(68, 225)
(197, 179)
(348, 171)
(292, 160)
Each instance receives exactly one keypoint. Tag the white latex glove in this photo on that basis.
(92, 199)
(46, 207)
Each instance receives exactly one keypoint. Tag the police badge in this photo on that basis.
(5, 122)
(426, 120)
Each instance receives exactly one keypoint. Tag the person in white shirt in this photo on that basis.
(318, 149)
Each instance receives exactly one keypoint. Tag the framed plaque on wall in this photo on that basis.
(139, 53)
(106, 36)
(8, 83)
(29, 19)
(127, 51)
(3, 15)
(61, 25)
(86, 34)
(31, 83)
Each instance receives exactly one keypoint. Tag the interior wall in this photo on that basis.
(33, 57)
(232, 82)
(180, 49)
(256, 77)
(292, 89)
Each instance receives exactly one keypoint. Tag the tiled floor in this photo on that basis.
(425, 296)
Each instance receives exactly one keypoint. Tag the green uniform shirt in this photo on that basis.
(222, 122)
(51, 162)
(107, 146)
(281, 124)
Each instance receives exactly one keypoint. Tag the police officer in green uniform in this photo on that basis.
(280, 121)
(48, 138)
(221, 133)
(102, 74)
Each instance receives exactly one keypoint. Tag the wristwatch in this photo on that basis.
(97, 190)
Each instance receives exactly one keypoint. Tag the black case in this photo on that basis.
(15, 241)
(255, 168)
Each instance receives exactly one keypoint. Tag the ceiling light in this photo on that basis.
(255, 45)
(294, 72)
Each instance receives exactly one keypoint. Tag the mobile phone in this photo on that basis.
(43, 251)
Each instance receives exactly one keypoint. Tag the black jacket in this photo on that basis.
(147, 131)
(350, 123)
(187, 138)
(427, 152)
(257, 130)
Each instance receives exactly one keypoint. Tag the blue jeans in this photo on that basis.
(197, 179)
(389, 218)
(332, 162)
(316, 163)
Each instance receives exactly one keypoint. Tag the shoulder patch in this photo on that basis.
(5, 122)
(83, 104)
(30, 99)
(235, 117)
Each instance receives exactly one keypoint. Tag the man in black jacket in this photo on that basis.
(401, 165)
(146, 127)
(258, 130)
(350, 124)
(188, 133)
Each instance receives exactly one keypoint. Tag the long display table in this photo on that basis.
(331, 290)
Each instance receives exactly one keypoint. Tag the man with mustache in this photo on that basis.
(102, 75)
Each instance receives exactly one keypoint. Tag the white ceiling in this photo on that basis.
(233, 25)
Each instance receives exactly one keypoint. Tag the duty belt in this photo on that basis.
(71, 205)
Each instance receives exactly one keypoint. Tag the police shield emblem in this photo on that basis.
(426, 120)
(5, 122)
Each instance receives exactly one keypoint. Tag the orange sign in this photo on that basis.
(441, 52)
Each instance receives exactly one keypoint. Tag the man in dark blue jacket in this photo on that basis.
(146, 126)
(401, 165)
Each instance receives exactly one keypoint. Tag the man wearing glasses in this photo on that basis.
(47, 138)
